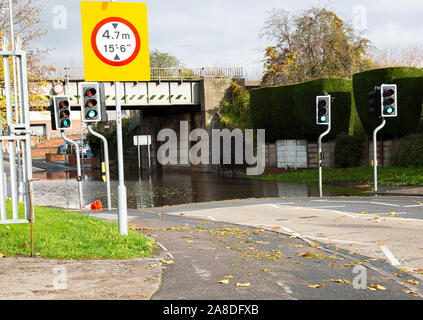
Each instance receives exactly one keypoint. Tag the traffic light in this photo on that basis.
(61, 113)
(91, 105)
(375, 102)
(323, 110)
(389, 99)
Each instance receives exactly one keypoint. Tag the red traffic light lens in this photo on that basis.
(388, 93)
(63, 104)
(91, 92)
(322, 103)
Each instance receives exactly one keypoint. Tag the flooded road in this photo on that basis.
(162, 188)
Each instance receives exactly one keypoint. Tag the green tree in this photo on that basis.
(313, 44)
(160, 59)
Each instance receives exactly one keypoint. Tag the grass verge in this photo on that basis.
(390, 176)
(60, 234)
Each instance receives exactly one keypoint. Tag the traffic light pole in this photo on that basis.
(321, 159)
(78, 166)
(375, 162)
(106, 160)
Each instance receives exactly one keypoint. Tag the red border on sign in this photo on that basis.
(100, 56)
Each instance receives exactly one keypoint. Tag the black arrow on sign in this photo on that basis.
(117, 58)
(115, 25)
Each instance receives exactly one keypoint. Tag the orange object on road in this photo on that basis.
(97, 206)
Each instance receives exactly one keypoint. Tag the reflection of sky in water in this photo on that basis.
(167, 188)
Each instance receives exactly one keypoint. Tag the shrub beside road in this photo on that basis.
(389, 176)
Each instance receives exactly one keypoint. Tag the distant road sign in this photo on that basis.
(115, 41)
(142, 140)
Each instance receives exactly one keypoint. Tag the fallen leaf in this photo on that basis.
(136, 294)
(243, 285)
(343, 281)
(226, 281)
(415, 283)
(364, 212)
(152, 278)
(376, 287)
(420, 271)
(168, 261)
(153, 265)
(2, 255)
(228, 277)
(316, 286)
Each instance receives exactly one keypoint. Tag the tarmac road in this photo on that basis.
(264, 244)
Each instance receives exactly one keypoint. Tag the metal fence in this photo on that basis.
(77, 73)
(15, 132)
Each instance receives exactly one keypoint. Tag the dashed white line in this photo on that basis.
(339, 241)
(390, 256)
(273, 205)
(345, 214)
(385, 204)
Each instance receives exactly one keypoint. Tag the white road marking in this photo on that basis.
(390, 256)
(414, 206)
(166, 250)
(345, 214)
(274, 206)
(385, 204)
(333, 201)
(328, 207)
(211, 218)
(338, 241)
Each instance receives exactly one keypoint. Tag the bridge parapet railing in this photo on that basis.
(77, 73)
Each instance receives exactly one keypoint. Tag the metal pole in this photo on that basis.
(9, 116)
(139, 157)
(122, 204)
(24, 96)
(78, 166)
(149, 151)
(2, 186)
(321, 160)
(375, 162)
(106, 160)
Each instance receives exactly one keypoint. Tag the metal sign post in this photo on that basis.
(106, 160)
(375, 162)
(122, 204)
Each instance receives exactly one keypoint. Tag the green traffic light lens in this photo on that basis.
(390, 110)
(91, 114)
(323, 119)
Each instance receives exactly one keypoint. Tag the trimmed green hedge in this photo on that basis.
(289, 112)
(304, 95)
(409, 81)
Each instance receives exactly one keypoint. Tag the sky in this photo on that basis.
(226, 32)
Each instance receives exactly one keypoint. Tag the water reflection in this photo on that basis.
(163, 188)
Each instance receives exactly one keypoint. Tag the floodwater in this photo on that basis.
(163, 188)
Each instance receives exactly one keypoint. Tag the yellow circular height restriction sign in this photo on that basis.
(115, 41)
